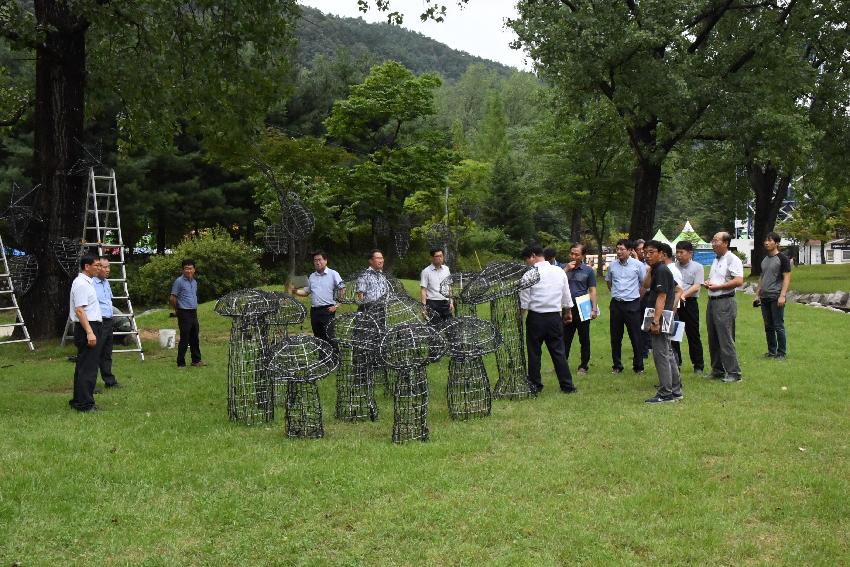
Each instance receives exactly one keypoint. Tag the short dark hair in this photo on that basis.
(87, 260)
(625, 242)
(685, 245)
(549, 254)
(654, 244)
(774, 237)
(187, 262)
(321, 253)
(582, 248)
(102, 258)
(372, 253)
(665, 249)
(530, 251)
(436, 249)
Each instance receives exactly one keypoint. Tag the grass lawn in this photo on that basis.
(819, 278)
(748, 473)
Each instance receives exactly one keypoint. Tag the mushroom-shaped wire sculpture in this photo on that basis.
(409, 348)
(250, 394)
(468, 388)
(299, 362)
(289, 312)
(363, 287)
(500, 284)
(357, 337)
(68, 252)
(452, 287)
(295, 217)
(23, 270)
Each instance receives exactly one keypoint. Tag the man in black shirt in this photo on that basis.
(662, 297)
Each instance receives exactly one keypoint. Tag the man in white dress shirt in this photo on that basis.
(85, 313)
(429, 285)
(548, 305)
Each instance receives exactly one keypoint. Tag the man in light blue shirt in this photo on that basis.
(323, 287)
(624, 279)
(184, 300)
(104, 298)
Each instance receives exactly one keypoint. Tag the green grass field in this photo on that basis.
(748, 473)
(820, 278)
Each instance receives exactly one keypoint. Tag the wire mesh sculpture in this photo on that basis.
(295, 217)
(250, 394)
(357, 337)
(452, 287)
(21, 211)
(92, 157)
(276, 239)
(499, 283)
(68, 252)
(363, 287)
(289, 311)
(468, 339)
(299, 362)
(401, 236)
(409, 348)
(23, 270)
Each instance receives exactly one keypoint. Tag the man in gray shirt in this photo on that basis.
(770, 294)
(693, 274)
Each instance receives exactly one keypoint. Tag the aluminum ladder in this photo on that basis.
(9, 291)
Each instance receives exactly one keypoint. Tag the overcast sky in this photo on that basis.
(478, 28)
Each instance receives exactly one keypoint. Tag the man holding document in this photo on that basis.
(662, 299)
(582, 280)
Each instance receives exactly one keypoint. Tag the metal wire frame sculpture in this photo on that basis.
(295, 217)
(409, 348)
(500, 284)
(23, 270)
(276, 239)
(299, 362)
(250, 393)
(357, 337)
(68, 252)
(452, 287)
(289, 312)
(441, 236)
(21, 211)
(468, 339)
(92, 157)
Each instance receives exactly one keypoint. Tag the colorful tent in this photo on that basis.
(688, 233)
(659, 236)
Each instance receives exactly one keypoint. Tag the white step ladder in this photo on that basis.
(102, 235)
(8, 290)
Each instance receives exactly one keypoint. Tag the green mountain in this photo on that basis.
(325, 34)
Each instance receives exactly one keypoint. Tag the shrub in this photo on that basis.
(223, 265)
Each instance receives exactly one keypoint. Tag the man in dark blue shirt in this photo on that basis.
(582, 281)
(184, 300)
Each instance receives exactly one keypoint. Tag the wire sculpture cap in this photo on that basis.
(245, 302)
(289, 311)
(470, 337)
(276, 239)
(365, 286)
(410, 345)
(453, 284)
(303, 358)
(23, 270)
(402, 309)
(357, 329)
(499, 279)
(68, 252)
(21, 210)
(296, 219)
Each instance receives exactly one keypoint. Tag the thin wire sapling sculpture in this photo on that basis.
(67, 252)
(409, 348)
(299, 362)
(276, 239)
(468, 339)
(452, 287)
(357, 337)
(21, 211)
(250, 393)
(499, 283)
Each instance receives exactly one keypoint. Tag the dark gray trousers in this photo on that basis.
(669, 379)
(720, 320)
(105, 363)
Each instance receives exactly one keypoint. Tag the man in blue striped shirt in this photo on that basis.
(104, 298)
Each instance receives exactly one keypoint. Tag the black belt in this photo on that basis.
(724, 296)
(320, 307)
(90, 323)
(107, 318)
(625, 300)
(438, 300)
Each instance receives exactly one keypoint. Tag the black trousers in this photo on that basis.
(442, 307)
(85, 369)
(187, 320)
(583, 330)
(319, 319)
(628, 314)
(688, 313)
(548, 328)
(105, 361)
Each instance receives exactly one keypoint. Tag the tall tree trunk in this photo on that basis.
(769, 188)
(822, 251)
(575, 225)
(60, 78)
(647, 181)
